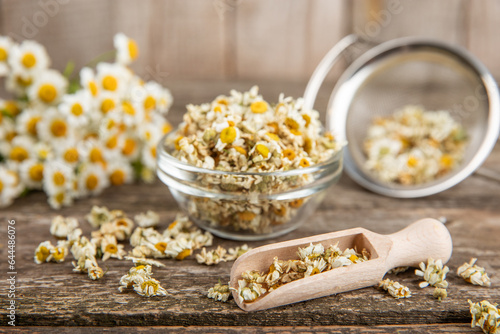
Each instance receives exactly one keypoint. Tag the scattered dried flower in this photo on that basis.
(440, 293)
(61, 227)
(395, 289)
(398, 270)
(148, 219)
(474, 274)
(434, 274)
(219, 292)
(485, 315)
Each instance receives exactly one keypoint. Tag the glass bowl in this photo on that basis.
(246, 206)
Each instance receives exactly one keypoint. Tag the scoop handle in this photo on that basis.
(425, 238)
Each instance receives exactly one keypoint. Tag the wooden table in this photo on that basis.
(52, 295)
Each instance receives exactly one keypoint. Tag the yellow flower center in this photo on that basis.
(262, 150)
(291, 123)
(128, 108)
(58, 128)
(107, 105)
(153, 151)
(304, 162)
(59, 198)
(149, 103)
(47, 93)
(217, 109)
(3, 54)
(167, 127)
(161, 246)
(12, 108)
(42, 254)
(177, 141)
(92, 182)
(28, 60)
(71, 155)
(58, 254)
(111, 248)
(258, 107)
(446, 161)
(274, 126)
(297, 203)
(110, 83)
(172, 225)
(182, 255)
(93, 88)
(308, 144)
(240, 150)
(1, 186)
(77, 109)
(280, 211)
(295, 132)
(117, 178)
(36, 172)
(58, 178)
(95, 155)
(412, 161)
(307, 118)
(222, 101)
(353, 258)
(128, 146)
(31, 125)
(133, 50)
(18, 153)
(139, 267)
(273, 136)
(315, 271)
(246, 216)
(228, 135)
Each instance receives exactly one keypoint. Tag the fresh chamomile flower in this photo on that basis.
(42, 252)
(92, 179)
(61, 227)
(107, 102)
(129, 146)
(147, 219)
(126, 49)
(60, 198)
(119, 172)
(148, 155)
(156, 97)
(6, 45)
(112, 78)
(111, 248)
(88, 81)
(26, 122)
(20, 149)
(57, 177)
(28, 58)
(54, 127)
(77, 108)
(48, 87)
(68, 152)
(31, 173)
(92, 151)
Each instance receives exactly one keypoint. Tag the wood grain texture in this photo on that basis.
(242, 39)
(52, 295)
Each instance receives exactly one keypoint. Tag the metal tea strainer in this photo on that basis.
(383, 78)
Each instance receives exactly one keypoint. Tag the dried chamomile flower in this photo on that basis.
(98, 216)
(147, 219)
(434, 274)
(142, 261)
(315, 266)
(58, 253)
(212, 257)
(111, 248)
(253, 276)
(219, 292)
(121, 227)
(440, 293)
(150, 288)
(248, 292)
(234, 253)
(395, 289)
(311, 252)
(83, 247)
(74, 236)
(398, 270)
(200, 239)
(414, 146)
(136, 275)
(474, 274)
(485, 315)
(179, 248)
(43, 252)
(88, 264)
(61, 227)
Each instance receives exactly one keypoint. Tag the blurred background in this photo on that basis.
(185, 43)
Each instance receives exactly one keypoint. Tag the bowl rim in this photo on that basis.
(169, 160)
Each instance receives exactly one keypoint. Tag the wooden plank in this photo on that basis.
(415, 329)
(52, 295)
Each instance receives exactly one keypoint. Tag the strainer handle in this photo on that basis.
(324, 68)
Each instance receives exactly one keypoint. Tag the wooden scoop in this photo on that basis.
(426, 238)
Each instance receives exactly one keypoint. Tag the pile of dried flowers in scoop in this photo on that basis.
(313, 259)
(244, 133)
(75, 137)
(414, 146)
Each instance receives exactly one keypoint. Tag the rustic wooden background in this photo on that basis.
(254, 40)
